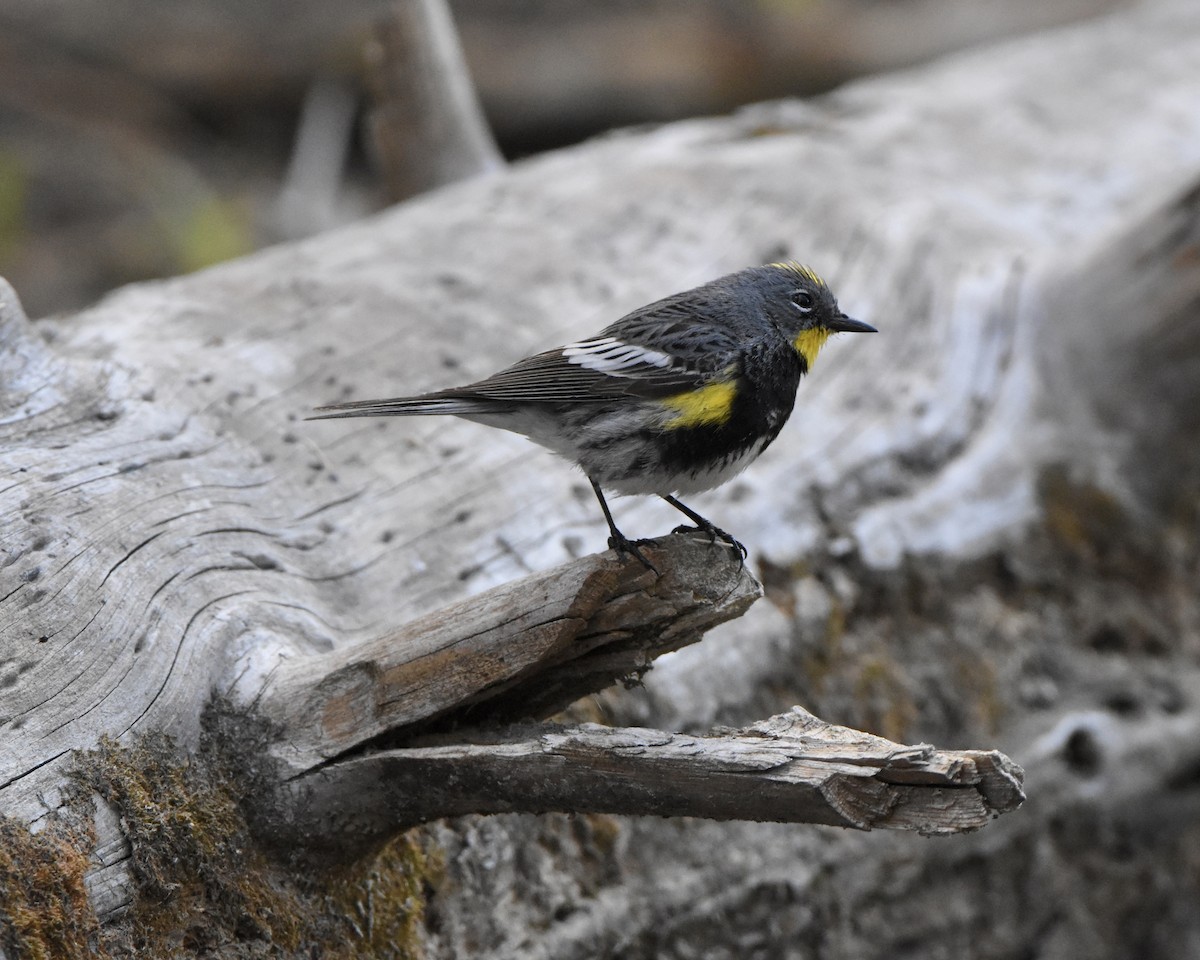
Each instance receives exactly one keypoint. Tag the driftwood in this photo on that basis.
(792, 768)
(979, 534)
(529, 649)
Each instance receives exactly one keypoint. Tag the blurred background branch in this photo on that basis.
(427, 127)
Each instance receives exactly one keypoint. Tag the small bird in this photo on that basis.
(676, 397)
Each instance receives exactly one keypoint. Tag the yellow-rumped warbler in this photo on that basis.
(677, 397)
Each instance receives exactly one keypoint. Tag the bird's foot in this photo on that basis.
(715, 533)
(624, 546)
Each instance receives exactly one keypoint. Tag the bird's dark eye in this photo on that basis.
(804, 301)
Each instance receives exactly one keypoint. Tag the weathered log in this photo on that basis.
(978, 531)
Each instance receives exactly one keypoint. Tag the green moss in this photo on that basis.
(1077, 515)
(14, 191)
(204, 887)
(1092, 529)
(382, 902)
(199, 877)
(213, 230)
(44, 909)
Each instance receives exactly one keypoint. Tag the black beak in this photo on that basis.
(845, 324)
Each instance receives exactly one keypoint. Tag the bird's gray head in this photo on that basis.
(803, 308)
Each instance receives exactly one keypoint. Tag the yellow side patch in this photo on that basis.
(712, 404)
(808, 343)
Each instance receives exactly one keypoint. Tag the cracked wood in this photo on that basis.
(792, 768)
(526, 649)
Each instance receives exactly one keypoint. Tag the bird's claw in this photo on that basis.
(624, 546)
(714, 534)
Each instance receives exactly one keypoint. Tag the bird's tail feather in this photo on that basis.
(428, 405)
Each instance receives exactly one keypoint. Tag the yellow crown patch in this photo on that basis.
(808, 273)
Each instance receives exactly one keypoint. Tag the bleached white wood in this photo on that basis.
(1018, 222)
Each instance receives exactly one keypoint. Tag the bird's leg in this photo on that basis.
(618, 541)
(708, 527)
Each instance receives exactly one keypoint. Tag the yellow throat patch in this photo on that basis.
(711, 404)
(808, 343)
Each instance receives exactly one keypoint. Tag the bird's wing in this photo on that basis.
(588, 370)
(664, 348)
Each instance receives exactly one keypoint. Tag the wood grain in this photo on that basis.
(792, 768)
(523, 650)
(1020, 225)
